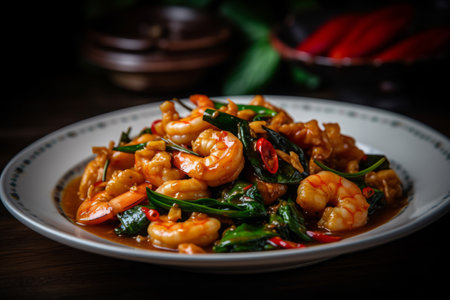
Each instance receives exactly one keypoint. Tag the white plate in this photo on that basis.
(29, 181)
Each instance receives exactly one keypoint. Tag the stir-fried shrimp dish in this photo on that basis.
(230, 177)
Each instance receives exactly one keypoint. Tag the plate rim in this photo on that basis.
(169, 258)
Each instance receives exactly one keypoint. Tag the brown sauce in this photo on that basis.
(70, 202)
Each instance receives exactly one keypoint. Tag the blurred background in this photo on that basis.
(103, 55)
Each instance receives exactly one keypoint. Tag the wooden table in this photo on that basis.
(32, 266)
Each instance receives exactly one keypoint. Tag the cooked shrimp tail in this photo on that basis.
(102, 206)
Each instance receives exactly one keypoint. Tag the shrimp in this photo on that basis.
(155, 164)
(183, 131)
(185, 189)
(199, 229)
(94, 171)
(222, 161)
(261, 101)
(348, 208)
(103, 206)
(122, 160)
(122, 180)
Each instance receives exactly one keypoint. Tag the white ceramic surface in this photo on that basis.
(32, 182)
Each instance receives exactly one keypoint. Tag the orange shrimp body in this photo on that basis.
(102, 206)
(183, 131)
(340, 201)
(222, 158)
(199, 229)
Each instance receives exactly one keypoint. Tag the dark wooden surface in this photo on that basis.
(32, 266)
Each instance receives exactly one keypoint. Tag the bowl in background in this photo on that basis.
(163, 48)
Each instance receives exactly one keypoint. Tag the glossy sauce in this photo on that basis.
(70, 202)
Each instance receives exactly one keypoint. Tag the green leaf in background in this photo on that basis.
(304, 78)
(255, 68)
(245, 17)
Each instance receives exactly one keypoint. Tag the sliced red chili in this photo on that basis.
(153, 126)
(151, 214)
(247, 187)
(279, 242)
(268, 155)
(323, 237)
(96, 184)
(368, 192)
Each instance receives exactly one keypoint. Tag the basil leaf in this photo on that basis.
(261, 111)
(130, 148)
(132, 221)
(244, 238)
(286, 172)
(371, 159)
(353, 175)
(125, 136)
(245, 210)
(255, 69)
(284, 144)
(293, 219)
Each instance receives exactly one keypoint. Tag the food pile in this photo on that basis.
(233, 177)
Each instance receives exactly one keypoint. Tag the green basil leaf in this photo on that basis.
(245, 237)
(254, 70)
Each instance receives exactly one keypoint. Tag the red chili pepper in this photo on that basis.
(374, 31)
(247, 187)
(368, 192)
(268, 155)
(322, 237)
(427, 42)
(153, 126)
(323, 38)
(279, 242)
(151, 214)
(98, 183)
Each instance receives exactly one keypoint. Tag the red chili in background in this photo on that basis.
(279, 242)
(323, 38)
(419, 45)
(151, 214)
(322, 237)
(268, 155)
(374, 31)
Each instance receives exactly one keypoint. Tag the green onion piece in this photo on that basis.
(130, 148)
(182, 104)
(351, 175)
(260, 110)
(125, 136)
(172, 146)
(207, 205)
(105, 169)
